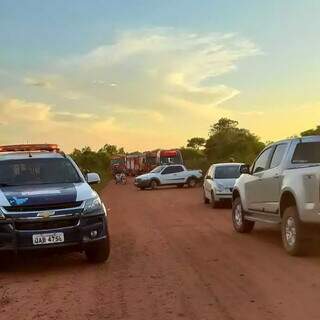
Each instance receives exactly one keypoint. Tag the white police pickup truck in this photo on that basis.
(169, 175)
(46, 202)
(282, 187)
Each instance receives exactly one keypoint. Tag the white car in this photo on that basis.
(219, 182)
(169, 175)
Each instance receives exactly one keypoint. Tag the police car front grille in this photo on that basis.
(46, 225)
(44, 207)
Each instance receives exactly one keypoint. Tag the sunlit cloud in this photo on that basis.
(150, 82)
(38, 82)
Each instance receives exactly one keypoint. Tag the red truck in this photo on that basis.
(165, 157)
(118, 164)
(135, 163)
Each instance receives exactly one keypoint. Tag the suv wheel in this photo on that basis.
(292, 233)
(240, 224)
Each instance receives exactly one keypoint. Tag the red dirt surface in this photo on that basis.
(172, 258)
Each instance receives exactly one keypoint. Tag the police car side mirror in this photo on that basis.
(93, 178)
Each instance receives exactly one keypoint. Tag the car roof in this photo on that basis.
(303, 139)
(26, 155)
(227, 164)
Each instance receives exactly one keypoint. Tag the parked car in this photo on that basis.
(282, 187)
(219, 182)
(46, 202)
(169, 175)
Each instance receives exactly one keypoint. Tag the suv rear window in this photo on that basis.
(37, 171)
(307, 152)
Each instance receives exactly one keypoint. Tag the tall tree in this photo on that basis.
(196, 143)
(227, 142)
(311, 132)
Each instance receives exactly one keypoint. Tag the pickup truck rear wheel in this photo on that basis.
(240, 224)
(192, 182)
(292, 232)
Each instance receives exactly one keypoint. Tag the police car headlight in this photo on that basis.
(92, 205)
(2, 216)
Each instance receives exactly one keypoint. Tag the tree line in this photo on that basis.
(89, 160)
(226, 142)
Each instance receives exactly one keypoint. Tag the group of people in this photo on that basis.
(119, 175)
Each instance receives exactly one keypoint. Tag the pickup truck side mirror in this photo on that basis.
(245, 169)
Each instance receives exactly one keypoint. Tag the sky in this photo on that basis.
(152, 74)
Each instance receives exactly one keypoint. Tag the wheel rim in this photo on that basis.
(238, 215)
(291, 231)
(153, 184)
(192, 183)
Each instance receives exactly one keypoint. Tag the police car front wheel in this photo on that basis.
(99, 252)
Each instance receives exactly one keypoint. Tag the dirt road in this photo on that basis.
(172, 258)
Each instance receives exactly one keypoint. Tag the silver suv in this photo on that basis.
(281, 187)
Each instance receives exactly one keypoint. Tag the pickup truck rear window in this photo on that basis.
(307, 152)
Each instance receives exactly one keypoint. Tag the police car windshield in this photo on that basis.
(37, 171)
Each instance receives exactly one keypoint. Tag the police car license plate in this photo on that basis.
(48, 238)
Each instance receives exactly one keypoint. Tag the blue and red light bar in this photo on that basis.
(30, 147)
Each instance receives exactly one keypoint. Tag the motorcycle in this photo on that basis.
(120, 178)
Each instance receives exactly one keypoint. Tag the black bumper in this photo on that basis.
(17, 234)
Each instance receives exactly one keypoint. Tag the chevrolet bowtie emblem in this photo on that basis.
(46, 214)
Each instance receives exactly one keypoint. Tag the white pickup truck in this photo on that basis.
(168, 175)
(281, 187)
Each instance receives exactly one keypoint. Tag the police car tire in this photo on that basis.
(99, 252)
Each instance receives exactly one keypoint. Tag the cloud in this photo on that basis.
(151, 83)
(19, 111)
(153, 63)
(66, 116)
(23, 121)
(251, 113)
(38, 83)
(143, 114)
